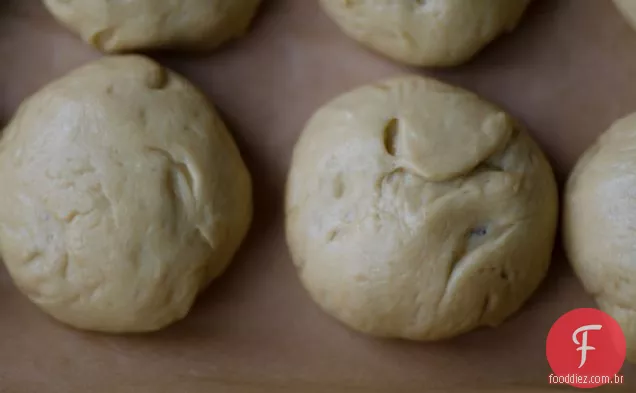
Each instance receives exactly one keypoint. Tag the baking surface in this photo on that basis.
(567, 72)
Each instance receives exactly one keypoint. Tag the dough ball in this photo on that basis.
(426, 32)
(599, 222)
(628, 9)
(416, 210)
(123, 196)
(118, 26)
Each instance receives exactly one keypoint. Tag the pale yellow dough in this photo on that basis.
(599, 222)
(118, 26)
(123, 196)
(426, 32)
(416, 210)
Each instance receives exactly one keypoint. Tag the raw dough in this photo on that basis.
(599, 222)
(123, 195)
(416, 210)
(426, 32)
(117, 26)
(628, 9)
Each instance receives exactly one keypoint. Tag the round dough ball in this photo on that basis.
(599, 222)
(628, 9)
(416, 210)
(121, 26)
(426, 32)
(123, 196)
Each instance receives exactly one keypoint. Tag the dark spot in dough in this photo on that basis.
(479, 231)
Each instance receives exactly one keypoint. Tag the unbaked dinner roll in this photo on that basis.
(118, 26)
(599, 223)
(426, 32)
(416, 210)
(123, 196)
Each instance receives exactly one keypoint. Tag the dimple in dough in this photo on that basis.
(426, 32)
(123, 196)
(122, 26)
(416, 210)
(599, 222)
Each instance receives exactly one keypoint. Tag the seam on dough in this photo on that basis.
(485, 307)
(180, 167)
(458, 267)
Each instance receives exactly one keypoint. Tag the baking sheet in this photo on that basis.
(567, 72)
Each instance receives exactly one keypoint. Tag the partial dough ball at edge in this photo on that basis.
(116, 27)
(598, 222)
(435, 33)
(627, 8)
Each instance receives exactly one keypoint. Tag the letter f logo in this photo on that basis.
(583, 344)
(570, 341)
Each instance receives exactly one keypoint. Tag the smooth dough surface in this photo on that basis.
(599, 222)
(123, 195)
(429, 32)
(122, 26)
(416, 210)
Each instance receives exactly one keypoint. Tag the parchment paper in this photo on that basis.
(567, 72)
